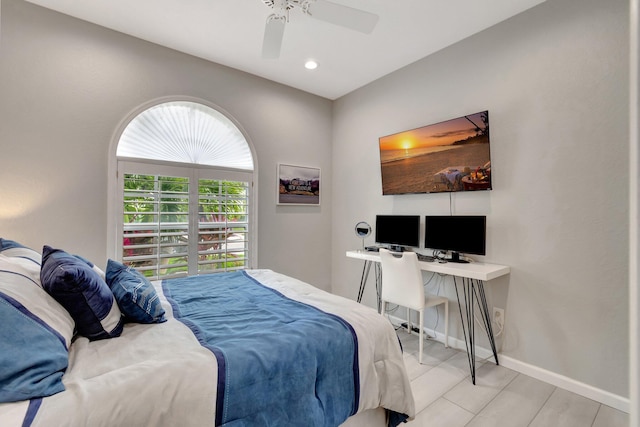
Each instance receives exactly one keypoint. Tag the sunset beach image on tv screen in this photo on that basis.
(443, 157)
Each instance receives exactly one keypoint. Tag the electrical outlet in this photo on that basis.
(498, 317)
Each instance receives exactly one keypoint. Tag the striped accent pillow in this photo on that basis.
(85, 295)
(11, 248)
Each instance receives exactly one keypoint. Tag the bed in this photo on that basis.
(188, 351)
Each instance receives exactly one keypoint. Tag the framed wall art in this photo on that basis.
(298, 185)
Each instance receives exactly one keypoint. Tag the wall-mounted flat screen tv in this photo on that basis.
(443, 157)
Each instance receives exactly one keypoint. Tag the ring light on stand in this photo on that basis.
(363, 230)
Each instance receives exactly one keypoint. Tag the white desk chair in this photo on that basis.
(402, 285)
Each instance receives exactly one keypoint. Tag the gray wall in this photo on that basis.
(65, 85)
(555, 82)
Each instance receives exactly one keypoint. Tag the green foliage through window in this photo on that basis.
(158, 239)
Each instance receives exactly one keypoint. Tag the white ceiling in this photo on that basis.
(230, 32)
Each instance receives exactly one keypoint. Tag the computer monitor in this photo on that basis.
(458, 234)
(398, 231)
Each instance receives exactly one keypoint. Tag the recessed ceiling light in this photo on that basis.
(311, 65)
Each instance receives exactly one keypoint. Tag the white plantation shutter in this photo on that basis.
(179, 217)
(156, 225)
(223, 225)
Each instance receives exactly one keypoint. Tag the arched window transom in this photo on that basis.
(186, 132)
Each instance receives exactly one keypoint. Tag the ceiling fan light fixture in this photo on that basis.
(311, 64)
(324, 10)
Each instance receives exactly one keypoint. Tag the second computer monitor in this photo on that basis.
(458, 234)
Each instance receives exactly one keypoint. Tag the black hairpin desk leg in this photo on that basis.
(363, 279)
(473, 291)
(365, 275)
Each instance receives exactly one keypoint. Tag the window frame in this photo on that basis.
(117, 167)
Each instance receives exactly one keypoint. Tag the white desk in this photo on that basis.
(473, 276)
(472, 270)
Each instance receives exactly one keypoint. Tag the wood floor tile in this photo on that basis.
(516, 405)
(566, 409)
(490, 380)
(610, 417)
(441, 413)
(445, 397)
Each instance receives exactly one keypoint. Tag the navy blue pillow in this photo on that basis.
(136, 296)
(85, 295)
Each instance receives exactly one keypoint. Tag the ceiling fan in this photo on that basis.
(323, 10)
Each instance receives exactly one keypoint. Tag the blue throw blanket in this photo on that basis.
(280, 362)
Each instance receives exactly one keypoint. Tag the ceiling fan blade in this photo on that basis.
(344, 16)
(273, 33)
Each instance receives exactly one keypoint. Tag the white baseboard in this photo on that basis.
(606, 398)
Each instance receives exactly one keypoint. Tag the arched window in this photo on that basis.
(185, 176)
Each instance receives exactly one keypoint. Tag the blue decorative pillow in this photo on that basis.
(79, 289)
(12, 248)
(136, 296)
(35, 336)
